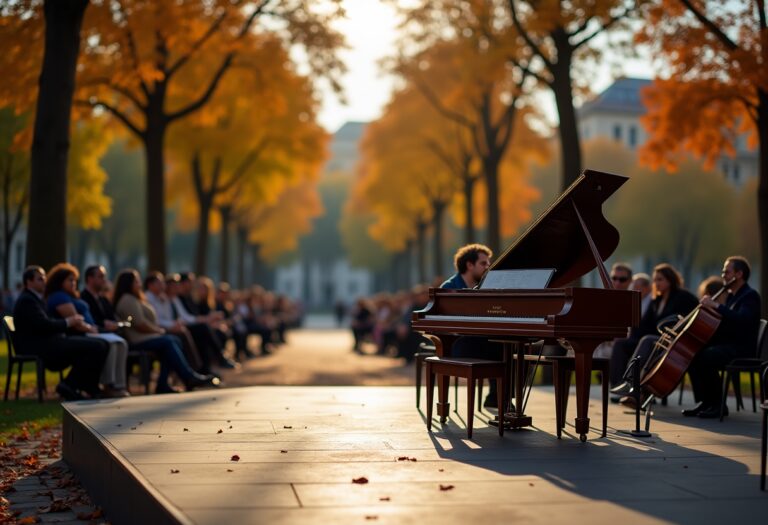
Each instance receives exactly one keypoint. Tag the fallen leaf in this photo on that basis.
(441, 470)
(230, 470)
(360, 481)
(175, 471)
(230, 426)
(530, 484)
(186, 430)
(403, 458)
(235, 458)
(283, 451)
(371, 517)
(287, 426)
(412, 459)
(28, 520)
(87, 516)
(384, 498)
(220, 431)
(57, 505)
(446, 487)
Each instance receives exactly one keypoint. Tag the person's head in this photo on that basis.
(204, 291)
(710, 286)
(186, 282)
(128, 283)
(62, 277)
(33, 278)
(95, 277)
(472, 261)
(666, 279)
(621, 276)
(641, 282)
(736, 267)
(154, 282)
(172, 284)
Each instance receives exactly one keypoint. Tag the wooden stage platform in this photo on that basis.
(278, 455)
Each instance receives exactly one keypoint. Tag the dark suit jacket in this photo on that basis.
(33, 324)
(101, 308)
(741, 320)
(680, 302)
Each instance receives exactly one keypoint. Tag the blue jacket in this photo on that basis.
(454, 283)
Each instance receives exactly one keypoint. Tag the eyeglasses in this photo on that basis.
(619, 278)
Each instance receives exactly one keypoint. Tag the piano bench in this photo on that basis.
(472, 370)
(562, 368)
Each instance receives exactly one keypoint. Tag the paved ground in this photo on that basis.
(360, 454)
(321, 355)
(300, 448)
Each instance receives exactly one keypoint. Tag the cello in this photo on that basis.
(673, 352)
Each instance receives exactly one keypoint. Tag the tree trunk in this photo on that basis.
(437, 225)
(242, 241)
(491, 174)
(562, 88)
(762, 194)
(469, 210)
(421, 250)
(47, 228)
(226, 221)
(203, 225)
(156, 239)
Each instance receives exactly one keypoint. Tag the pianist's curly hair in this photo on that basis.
(469, 254)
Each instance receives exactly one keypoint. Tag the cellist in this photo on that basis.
(736, 337)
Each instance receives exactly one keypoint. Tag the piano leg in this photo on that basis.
(583, 350)
(516, 418)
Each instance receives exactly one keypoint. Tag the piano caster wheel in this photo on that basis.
(583, 438)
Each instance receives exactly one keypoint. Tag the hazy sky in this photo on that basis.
(370, 29)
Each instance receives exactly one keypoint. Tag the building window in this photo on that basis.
(617, 132)
(632, 136)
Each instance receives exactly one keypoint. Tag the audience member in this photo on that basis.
(38, 333)
(641, 282)
(146, 334)
(63, 301)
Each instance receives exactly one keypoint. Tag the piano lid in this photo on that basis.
(557, 240)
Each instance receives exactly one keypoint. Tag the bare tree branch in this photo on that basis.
(122, 117)
(526, 36)
(709, 24)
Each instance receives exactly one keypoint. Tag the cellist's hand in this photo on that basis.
(709, 302)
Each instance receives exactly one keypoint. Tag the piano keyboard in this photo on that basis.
(493, 319)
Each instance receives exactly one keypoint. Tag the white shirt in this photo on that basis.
(163, 309)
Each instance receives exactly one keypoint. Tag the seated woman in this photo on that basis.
(63, 300)
(669, 301)
(146, 334)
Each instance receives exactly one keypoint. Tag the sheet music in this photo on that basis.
(517, 279)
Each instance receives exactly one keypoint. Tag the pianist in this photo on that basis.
(471, 263)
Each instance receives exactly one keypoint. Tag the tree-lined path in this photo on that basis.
(320, 355)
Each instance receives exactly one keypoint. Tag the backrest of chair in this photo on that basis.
(9, 327)
(762, 340)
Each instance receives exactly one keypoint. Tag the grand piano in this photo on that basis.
(528, 294)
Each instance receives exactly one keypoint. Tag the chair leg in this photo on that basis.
(480, 394)
(736, 380)
(470, 404)
(418, 381)
(456, 394)
(723, 399)
(752, 384)
(18, 379)
(145, 371)
(604, 379)
(8, 379)
(430, 395)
